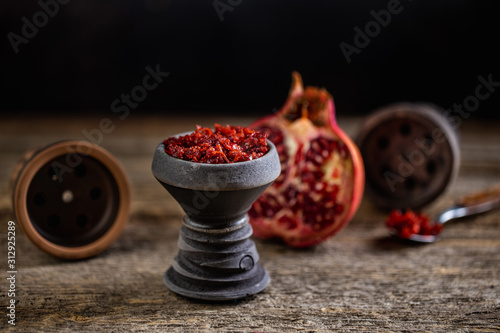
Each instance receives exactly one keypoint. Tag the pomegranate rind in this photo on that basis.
(301, 233)
(357, 161)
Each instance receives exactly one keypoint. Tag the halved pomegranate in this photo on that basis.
(322, 175)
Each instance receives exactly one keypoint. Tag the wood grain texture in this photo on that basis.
(359, 280)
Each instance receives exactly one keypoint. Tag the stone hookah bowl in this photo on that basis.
(217, 260)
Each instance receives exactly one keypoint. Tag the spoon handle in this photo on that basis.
(481, 201)
(471, 204)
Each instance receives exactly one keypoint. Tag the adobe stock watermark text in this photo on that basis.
(30, 28)
(120, 106)
(363, 37)
(11, 272)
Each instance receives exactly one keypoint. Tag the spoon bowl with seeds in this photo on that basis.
(416, 227)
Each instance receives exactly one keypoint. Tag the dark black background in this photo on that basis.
(93, 51)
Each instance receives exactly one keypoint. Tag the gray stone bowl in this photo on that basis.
(215, 193)
(217, 260)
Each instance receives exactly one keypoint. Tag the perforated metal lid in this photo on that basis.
(71, 198)
(411, 154)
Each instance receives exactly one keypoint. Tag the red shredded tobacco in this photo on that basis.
(227, 144)
(410, 223)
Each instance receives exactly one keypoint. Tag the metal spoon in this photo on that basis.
(475, 203)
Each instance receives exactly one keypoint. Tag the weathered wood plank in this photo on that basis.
(358, 280)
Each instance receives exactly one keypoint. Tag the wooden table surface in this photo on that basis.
(359, 280)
